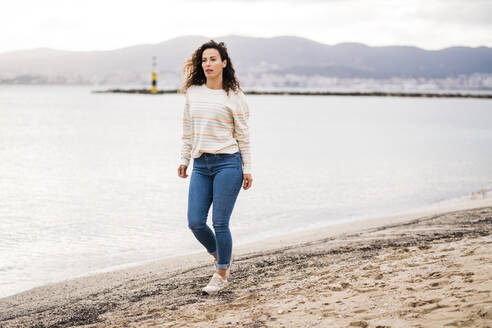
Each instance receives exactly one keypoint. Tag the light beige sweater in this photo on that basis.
(215, 123)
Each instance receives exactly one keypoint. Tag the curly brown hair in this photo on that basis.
(193, 69)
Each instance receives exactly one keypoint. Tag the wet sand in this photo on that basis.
(425, 269)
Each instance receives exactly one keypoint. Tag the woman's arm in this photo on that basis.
(241, 132)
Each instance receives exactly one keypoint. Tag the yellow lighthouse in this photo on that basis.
(154, 76)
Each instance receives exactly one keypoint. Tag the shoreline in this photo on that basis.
(284, 239)
(319, 93)
(144, 283)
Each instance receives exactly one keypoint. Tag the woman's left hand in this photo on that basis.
(247, 181)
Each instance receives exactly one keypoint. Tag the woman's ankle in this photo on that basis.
(222, 273)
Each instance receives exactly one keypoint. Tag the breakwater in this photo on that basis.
(320, 93)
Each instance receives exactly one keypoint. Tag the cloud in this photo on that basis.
(110, 24)
(57, 24)
(457, 12)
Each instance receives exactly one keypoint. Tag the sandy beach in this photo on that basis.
(429, 268)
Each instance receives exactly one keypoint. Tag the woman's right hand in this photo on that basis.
(182, 171)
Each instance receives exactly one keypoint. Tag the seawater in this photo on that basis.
(89, 181)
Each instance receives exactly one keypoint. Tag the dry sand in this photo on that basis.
(425, 269)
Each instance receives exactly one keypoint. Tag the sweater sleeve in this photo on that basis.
(241, 132)
(186, 138)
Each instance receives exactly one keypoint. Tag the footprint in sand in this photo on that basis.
(469, 252)
(379, 276)
(337, 288)
(411, 264)
(415, 304)
(359, 311)
(434, 275)
(438, 284)
(370, 267)
(454, 265)
(414, 281)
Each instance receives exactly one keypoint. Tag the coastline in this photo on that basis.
(319, 93)
(103, 299)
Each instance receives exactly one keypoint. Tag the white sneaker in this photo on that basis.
(215, 284)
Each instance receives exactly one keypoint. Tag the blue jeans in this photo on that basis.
(217, 179)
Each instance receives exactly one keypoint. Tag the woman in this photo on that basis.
(216, 136)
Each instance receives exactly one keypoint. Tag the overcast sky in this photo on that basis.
(111, 24)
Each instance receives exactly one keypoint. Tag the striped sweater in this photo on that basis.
(215, 123)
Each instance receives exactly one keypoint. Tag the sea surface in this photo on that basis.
(89, 181)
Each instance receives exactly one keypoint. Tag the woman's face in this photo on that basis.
(212, 64)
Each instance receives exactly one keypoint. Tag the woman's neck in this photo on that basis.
(214, 83)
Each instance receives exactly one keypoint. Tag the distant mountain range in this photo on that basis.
(277, 59)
